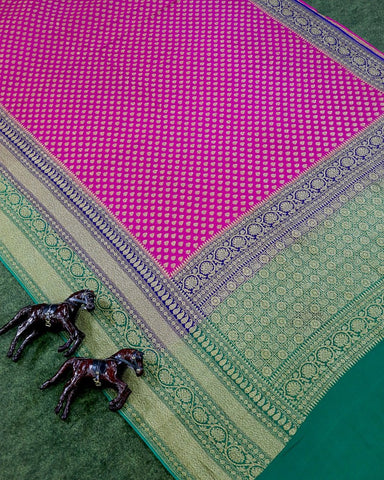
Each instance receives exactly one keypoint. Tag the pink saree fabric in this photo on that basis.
(180, 117)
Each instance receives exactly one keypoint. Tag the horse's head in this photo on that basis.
(132, 358)
(85, 298)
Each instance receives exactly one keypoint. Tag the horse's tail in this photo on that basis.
(16, 320)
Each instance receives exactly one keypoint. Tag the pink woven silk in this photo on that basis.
(179, 116)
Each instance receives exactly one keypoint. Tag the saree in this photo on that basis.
(214, 173)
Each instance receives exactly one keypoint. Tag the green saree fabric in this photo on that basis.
(250, 346)
(343, 437)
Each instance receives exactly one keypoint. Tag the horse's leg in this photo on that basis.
(19, 317)
(75, 336)
(20, 331)
(60, 373)
(70, 396)
(27, 339)
(123, 393)
(67, 396)
(64, 346)
(69, 386)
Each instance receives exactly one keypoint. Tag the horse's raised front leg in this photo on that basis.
(28, 339)
(60, 373)
(123, 393)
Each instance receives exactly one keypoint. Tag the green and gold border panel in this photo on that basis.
(234, 409)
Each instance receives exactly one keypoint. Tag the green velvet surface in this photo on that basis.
(92, 444)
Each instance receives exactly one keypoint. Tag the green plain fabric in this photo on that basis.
(343, 438)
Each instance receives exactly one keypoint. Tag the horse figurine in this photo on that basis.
(35, 320)
(100, 373)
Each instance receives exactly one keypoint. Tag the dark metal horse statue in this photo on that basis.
(104, 373)
(35, 320)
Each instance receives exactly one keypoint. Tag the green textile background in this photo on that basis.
(341, 439)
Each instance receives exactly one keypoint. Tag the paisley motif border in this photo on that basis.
(346, 50)
(238, 253)
(356, 329)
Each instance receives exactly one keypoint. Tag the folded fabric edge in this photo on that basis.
(346, 30)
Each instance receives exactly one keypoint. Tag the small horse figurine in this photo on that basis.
(100, 373)
(35, 320)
